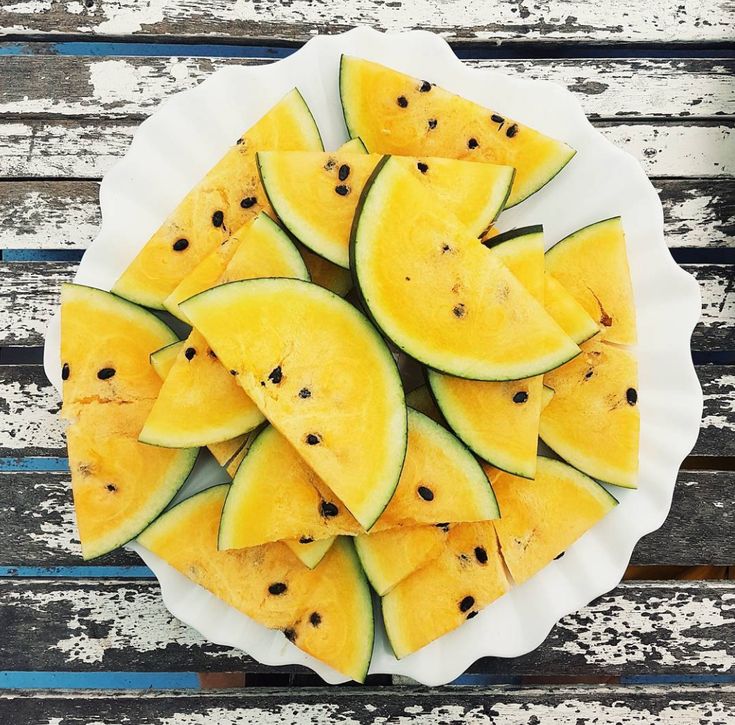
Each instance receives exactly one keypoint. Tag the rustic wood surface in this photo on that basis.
(626, 21)
(560, 705)
(29, 295)
(65, 215)
(30, 425)
(88, 625)
(38, 524)
(66, 148)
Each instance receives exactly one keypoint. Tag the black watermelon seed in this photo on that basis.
(402, 101)
(422, 167)
(426, 493)
(180, 245)
(446, 248)
(589, 374)
(432, 124)
(559, 556)
(106, 373)
(520, 397)
(218, 218)
(497, 119)
(329, 509)
(631, 395)
(344, 172)
(408, 279)
(305, 540)
(233, 372)
(304, 393)
(472, 143)
(443, 526)
(458, 310)
(189, 353)
(425, 87)
(512, 130)
(275, 375)
(248, 201)
(331, 163)
(277, 588)
(315, 618)
(290, 634)
(212, 354)
(481, 554)
(471, 614)
(466, 603)
(342, 189)
(239, 141)
(111, 487)
(313, 439)
(65, 371)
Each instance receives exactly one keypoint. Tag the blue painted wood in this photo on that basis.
(78, 572)
(26, 680)
(34, 464)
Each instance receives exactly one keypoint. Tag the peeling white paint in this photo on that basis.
(679, 620)
(722, 399)
(114, 81)
(292, 713)
(29, 417)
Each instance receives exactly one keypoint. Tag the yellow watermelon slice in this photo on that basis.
(227, 197)
(315, 194)
(570, 315)
(276, 496)
(326, 612)
(438, 295)
(285, 329)
(592, 264)
(394, 113)
(593, 421)
(200, 402)
(388, 557)
(542, 518)
(441, 481)
(443, 594)
(228, 454)
(310, 553)
(119, 484)
(499, 420)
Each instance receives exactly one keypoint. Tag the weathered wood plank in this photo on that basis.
(29, 295)
(296, 20)
(560, 705)
(91, 625)
(607, 88)
(30, 424)
(63, 148)
(65, 215)
(39, 530)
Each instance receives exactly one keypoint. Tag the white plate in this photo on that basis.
(177, 144)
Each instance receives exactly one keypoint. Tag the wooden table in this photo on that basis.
(92, 643)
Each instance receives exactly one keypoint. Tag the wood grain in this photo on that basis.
(612, 88)
(560, 705)
(65, 214)
(87, 148)
(122, 625)
(626, 21)
(39, 530)
(29, 296)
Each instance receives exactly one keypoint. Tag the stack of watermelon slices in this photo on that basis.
(437, 497)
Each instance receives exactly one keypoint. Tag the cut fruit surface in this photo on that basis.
(316, 194)
(441, 481)
(440, 596)
(200, 402)
(394, 113)
(542, 518)
(326, 612)
(499, 420)
(119, 484)
(163, 359)
(592, 264)
(570, 315)
(319, 372)
(228, 196)
(438, 294)
(275, 496)
(310, 553)
(388, 557)
(593, 421)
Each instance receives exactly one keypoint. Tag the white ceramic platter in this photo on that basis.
(177, 144)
